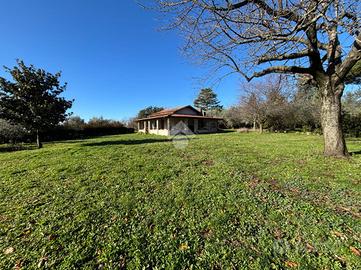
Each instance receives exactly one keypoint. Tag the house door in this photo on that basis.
(191, 124)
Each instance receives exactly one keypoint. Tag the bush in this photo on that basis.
(73, 128)
(12, 133)
(77, 128)
(351, 124)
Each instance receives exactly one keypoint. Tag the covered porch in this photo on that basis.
(171, 125)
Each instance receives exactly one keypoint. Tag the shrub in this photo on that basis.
(12, 133)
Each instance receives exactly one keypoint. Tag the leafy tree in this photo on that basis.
(233, 117)
(32, 99)
(207, 100)
(352, 102)
(305, 106)
(290, 37)
(148, 111)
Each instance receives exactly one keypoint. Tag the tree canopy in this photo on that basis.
(32, 99)
(148, 111)
(207, 100)
(245, 35)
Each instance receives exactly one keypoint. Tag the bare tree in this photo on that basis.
(266, 102)
(302, 36)
(252, 107)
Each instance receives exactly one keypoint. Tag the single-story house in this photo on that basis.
(186, 120)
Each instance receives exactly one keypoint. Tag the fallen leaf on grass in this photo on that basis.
(309, 247)
(355, 251)
(348, 210)
(278, 234)
(9, 250)
(42, 261)
(291, 264)
(52, 237)
(339, 234)
(18, 265)
(341, 259)
(183, 246)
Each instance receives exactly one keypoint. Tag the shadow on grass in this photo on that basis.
(225, 131)
(354, 153)
(13, 148)
(126, 142)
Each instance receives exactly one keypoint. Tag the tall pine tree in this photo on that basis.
(207, 100)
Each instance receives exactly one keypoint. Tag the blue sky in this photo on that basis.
(111, 53)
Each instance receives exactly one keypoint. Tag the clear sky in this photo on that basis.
(111, 53)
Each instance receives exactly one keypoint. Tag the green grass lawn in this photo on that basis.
(229, 200)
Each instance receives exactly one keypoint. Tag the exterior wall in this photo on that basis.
(164, 132)
(188, 111)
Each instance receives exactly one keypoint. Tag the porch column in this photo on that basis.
(168, 126)
(157, 125)
(195, 125)
(148, 123)
(138, 123)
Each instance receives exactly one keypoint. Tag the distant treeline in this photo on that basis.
(279, 105)
(73, 128)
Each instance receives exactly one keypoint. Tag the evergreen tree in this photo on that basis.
(32, 99)
(207, 100)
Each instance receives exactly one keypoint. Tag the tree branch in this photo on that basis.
(280, 69)
(287, 14)
(282, 57)
(352, 58)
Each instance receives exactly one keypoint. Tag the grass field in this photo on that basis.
(229, 200)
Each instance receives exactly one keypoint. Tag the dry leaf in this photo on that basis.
(183, 246)
(340, 258)
(9, 250)
(18, 265)
(339, 234)
(355, 251)
(309, 247)
(291, 264)
(42, 261)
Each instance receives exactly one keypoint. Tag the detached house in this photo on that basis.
(184, 119)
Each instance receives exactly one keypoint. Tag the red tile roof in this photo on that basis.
(166, 112)
(172, 112)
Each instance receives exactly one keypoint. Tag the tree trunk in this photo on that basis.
(254, 125)
(334, 141)
(38, 142)
(260, 128)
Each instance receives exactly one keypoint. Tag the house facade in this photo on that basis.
(186, 120)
